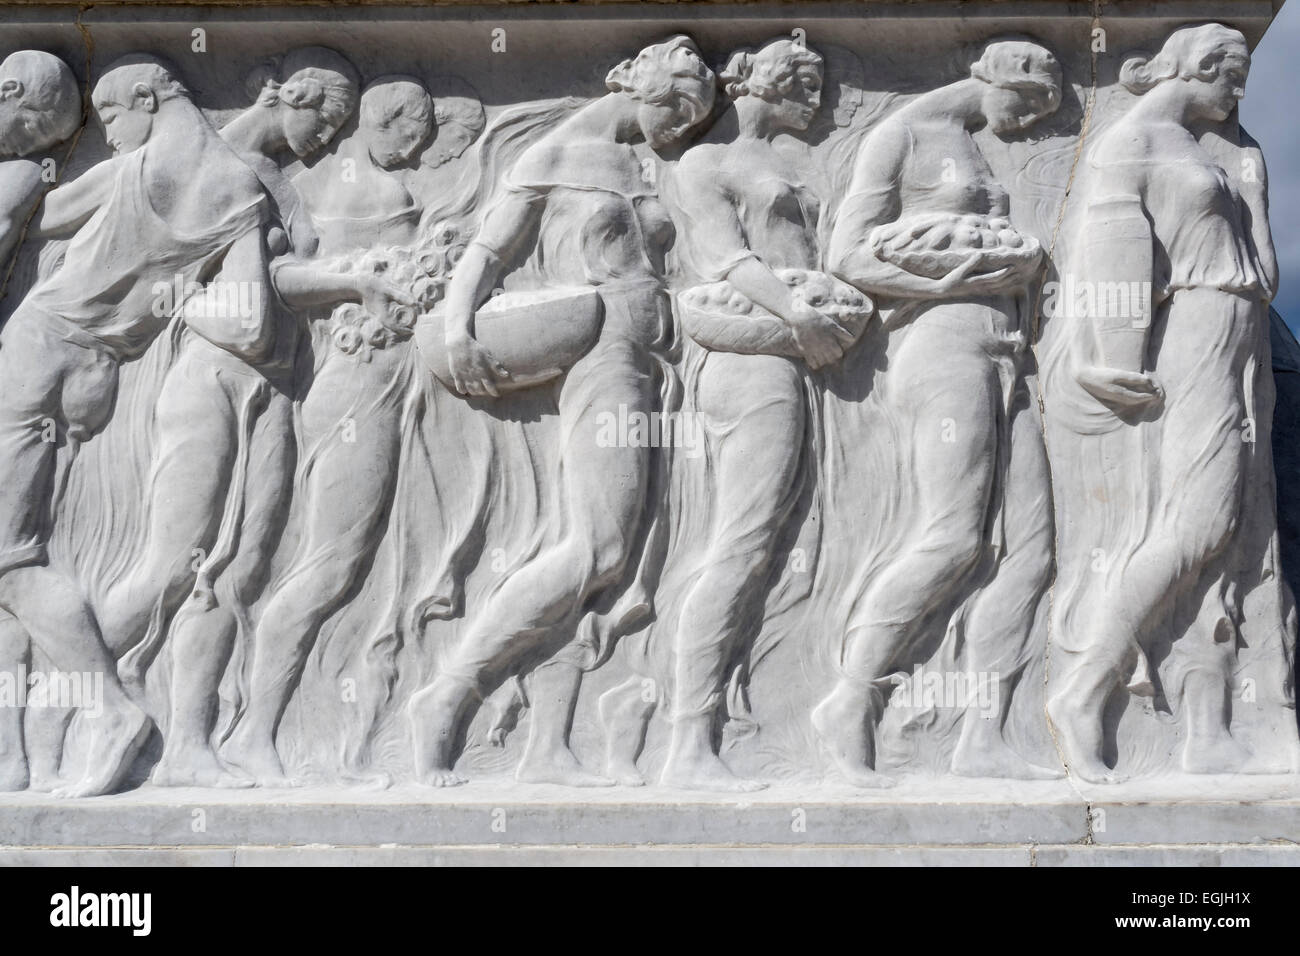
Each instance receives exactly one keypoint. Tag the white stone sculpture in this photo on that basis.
(746, 213)
(39, 108)
(137, 220)
(579, 190)
(698, 422)
(925, 229)
(1159, 403)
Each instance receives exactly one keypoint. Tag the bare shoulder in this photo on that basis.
(541, 162)
(230, 178)
(884, 148)
(1127, 142)
(886, 143)
(20, 183)
(704, 158)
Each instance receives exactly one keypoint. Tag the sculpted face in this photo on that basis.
(1219, 97)
(306, 130)
(801, 97)
(127, 128)
(1010, 110)
(663, 124)
(397, 140)
(18, 135)
(452, 141)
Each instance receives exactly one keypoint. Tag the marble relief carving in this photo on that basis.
(775, 411)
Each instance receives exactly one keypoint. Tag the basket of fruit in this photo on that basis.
(723, 319)
(934, 244)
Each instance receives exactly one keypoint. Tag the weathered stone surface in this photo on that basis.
(846, 426)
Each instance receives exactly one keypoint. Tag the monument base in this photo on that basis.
(1183, 820)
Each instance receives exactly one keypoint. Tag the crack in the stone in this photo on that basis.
(1090, 101)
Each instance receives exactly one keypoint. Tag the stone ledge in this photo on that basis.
(920, 812)
(1025, 855)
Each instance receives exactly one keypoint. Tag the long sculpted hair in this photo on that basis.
(1190, 52)
(311, 77)
(762, 72)
(665, 71)
(1016, 64)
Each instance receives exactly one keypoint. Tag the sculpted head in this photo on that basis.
(40, 102)
(1210, 62)
(459, 119)
(1023, 84)
(128, 96)
(782, 74)
(671, 84)
(312, 91)
(396, 118)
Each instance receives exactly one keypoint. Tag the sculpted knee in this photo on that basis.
(962, 548)
(609, 556)
(1223, 527)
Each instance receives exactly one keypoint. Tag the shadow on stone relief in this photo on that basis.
(776, 411)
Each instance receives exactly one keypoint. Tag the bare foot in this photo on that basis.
(1220, 755)
(1078, 735)
(840, 722)
(990, 759)
(624, 774)
(441, 778)
(44, 781)
(625, 715)
(864, 778)
(1094, 771)
(256, 758)
(558, 766)
(705, 771)
(116, 738)
(434, 714)
(13, 773)
(196, 766)
(1285, 759)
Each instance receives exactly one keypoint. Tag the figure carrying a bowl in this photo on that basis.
(577, 209)
(925, 230)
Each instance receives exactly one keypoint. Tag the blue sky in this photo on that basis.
(1269, 112)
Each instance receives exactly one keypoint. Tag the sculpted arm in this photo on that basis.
(874, 199)
(21, 184)
(208, 313)
(67, 208)
(1254, 193)
(505, 231)
(1119, 247)
(716, 238)
(506, 227)
(717, 242)
(302, 285)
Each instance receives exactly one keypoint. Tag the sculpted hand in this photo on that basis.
(821, 339)
(474, 370)
(379, 296)
(968, 279)
(1118, 388)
